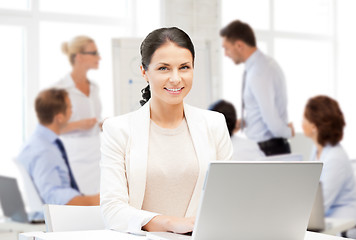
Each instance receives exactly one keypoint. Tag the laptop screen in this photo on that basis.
(255, 200)
(11, 200)
(284, 157)
(274, 197)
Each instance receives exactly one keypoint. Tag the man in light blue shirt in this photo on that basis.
(264, 117)
(44, 156)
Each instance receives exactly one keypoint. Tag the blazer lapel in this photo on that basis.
(200, 138)
(140, 124)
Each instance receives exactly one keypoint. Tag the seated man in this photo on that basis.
(244, 148)
(44, 156)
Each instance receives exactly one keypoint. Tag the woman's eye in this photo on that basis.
(185, 67)
(162, 68)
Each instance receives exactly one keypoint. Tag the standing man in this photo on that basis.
(44, 156)
(264, 117)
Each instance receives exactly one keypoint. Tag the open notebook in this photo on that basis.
(254, 200)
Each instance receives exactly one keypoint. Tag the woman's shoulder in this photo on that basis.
(335, 153)
(65, 82)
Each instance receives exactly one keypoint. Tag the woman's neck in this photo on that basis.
(80, 80)
(166, 115)
(319, 150)
(79, 75)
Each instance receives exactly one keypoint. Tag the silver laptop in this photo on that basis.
(317, 216)
(12, 203)
(254, 200)
(293, 157)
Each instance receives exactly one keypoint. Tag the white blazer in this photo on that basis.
(124, 153)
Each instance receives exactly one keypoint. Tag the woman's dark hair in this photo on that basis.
(146, 95)
(238, 30)
(155, 40)
(327, 116)
(228, 110)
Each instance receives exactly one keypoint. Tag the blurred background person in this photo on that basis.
(324, 123)
(81, 136)
(244, 149)
(264, 117)
(44, 156)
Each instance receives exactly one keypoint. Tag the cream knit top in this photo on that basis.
(172, 170)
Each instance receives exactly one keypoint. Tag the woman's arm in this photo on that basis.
(114, 185)
(83, 124)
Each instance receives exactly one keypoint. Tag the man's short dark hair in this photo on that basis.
(238, 30)
(49, 103)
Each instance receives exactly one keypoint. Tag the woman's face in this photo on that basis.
(90, 56)
(309, 128)
(170, 74)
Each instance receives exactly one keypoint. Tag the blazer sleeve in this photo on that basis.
(114, 193)
(222, 138)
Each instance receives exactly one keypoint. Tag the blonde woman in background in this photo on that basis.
(81, 136)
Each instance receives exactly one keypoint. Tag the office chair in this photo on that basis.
(72, 218)
(32, 195)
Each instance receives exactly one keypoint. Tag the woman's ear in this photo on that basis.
(314, 129)
(143, 72)
(77, 58)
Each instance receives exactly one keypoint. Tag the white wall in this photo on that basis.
(200, 19)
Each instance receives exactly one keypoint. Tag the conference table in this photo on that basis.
(10, 230)
(37, 232)
(114, 235)
(334, 226)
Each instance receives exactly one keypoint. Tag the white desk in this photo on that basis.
(10, 230)
(334, 226)
(112, 235)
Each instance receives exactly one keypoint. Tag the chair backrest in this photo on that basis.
(300, 144)
(32, 195)
(72, 218)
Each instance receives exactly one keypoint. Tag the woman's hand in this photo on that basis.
(182, 225)
(83, 124)
(170, 224)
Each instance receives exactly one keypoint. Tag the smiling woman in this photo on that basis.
(170, 76)
(154, 160)
(180, 42)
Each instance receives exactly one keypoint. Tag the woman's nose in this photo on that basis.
(175, 77)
